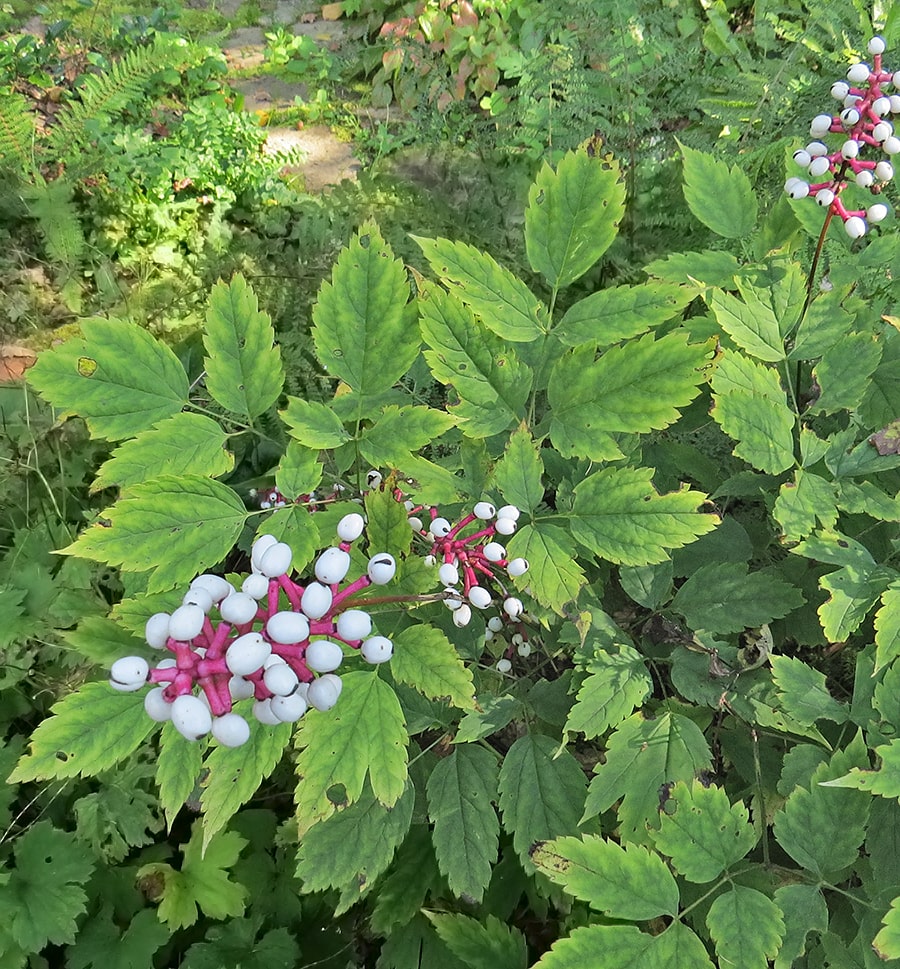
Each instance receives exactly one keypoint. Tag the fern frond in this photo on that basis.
(103, 95)
(16, 132)
(51, 205)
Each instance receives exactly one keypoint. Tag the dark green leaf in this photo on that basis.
(722, 198)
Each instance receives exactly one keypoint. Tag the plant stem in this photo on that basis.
(762, 797)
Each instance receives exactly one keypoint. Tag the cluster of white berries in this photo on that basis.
(863, 123)
(466, 560)
(273, 641)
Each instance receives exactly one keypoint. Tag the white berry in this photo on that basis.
(263, 712)
(129, 674)
(865, 178)
(187, 622)
(156, 632)
(517, 567)
(503, 666)
(354, 624)
(261, 545)
(484, 510)
(381, 568)
(215, 585)
(855, 227)
(247, 654)
(288, 709)
(820, 125)
(884, 171)
(332, 566)
(350, 527)
(255, 585)
(440, 527)
(494, 551)
(462, 616)
(316, 600)
(876, 46)
(156, 705)
(280, 679)
(877, 212)
(818, 166)
(198, 597)
(324, 656)
(191, 717)
(840, 90)
(824, 197)
(287, 628)
(479, 597)
(858, 74)
(231, 730)
(495, 624)
(238, 608)
(276, 560)
(377, 649)
(513, 607)
(850, 149)
(505, 526)
(448, 574)
(241, 689)
(323, 693)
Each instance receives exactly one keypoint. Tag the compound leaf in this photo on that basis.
(101, 945)
(398, 431)
(541, 792)
(747, 928)
(44, 894)
(803, 692)
(885, 781)
(236, 943)
(461, 791)
(722, 198)
(633, 388)
(503, 302)
(363, 734)
(620, 516)
(617, 683)
(804, 504)
(89, 731)
(182, 444)
(118, 378)
(620, 312)
(491, 382)
(352, 848)
(643, 755)
(173, 527)
(572, 216)
(361, 322)
(727, 597)
(489, 945)
(804, 910)
(628, 882)
(702, 831)
(243, 366)
(753, 328)
(298, 473)
(425, 659)
(235, 773)
(625, 947)
(844, 373)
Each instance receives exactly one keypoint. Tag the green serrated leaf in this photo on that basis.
(202, 883)
(542, 792)
(361, 322)
(101, 945)
(702, 831)
(102, 641)
(722, 198)
(414, 873)
(182, 444)
(237, 944)
(89, 731)
(488, 945)
(746, 926)
(643, 755)
(804, 910)
(462, 790)
(313, 424)
(844, 373)
(620, 516)
(44, 895)
(804, 504)
(493, 714)
(852, 594)
(707, 268)
(822, 827)
(866, 498)
(398, 431)
(754, 328)
(835, 549)
(572, 216)
(351, 849)
(617, 683)
(235, 773)
(118, 378)
(727, 597)
(750, 407)
(620, 312)
(362, 735)
(554, 576)
(803, 692)
(425, 659)
(633, 388)
(628, 882)
(243, 366)
(501, 300)
(416, 944)
(518, 473)
(648, 585)
(887, 627)
(625, 947)
(887, 943)
(172, 527)
(387, 524)
(491, 382)
(884, 781)
(177, 771)
(299, 471)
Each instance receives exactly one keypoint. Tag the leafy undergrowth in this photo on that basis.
(667, 739)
